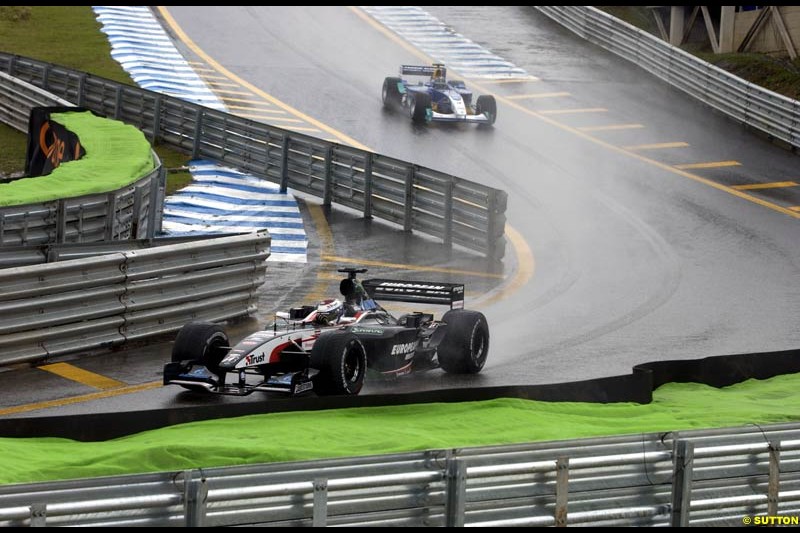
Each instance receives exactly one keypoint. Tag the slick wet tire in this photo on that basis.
(486, 105)
(390, 94)
(202, 342)
(341, 360)
(420, 108)
(466, 342)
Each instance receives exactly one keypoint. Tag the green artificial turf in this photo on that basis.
(116, 156)
(377, 430)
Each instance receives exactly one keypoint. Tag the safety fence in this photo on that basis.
(752, 105)
(724, 477)
(107, 297)
(132, 212)
(455, 210)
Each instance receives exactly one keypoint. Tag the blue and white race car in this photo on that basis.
(437, 99)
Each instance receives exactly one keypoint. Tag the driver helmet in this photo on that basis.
(329, 310)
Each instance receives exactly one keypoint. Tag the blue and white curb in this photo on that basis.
(219, 200)
(224, 200)
(433, 37)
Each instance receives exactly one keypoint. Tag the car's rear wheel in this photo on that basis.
(486, 105)
(203, 342)
(420, 108)
(341, 360)
(391, 95)
(466, 342)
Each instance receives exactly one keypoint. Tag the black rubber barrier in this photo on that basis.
(717, 371)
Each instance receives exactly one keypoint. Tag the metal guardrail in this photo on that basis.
(104, 300)
(749, 104)
(696, 478)
(132, 212)
(417, 198)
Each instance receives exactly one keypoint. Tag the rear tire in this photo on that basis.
(203, 342)
(466, 342)
(390, 94)
(420, 108)
(486, 105)
(341, 360)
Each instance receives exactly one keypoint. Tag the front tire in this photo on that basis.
(486, 105)
(390, 94)
(420, 108)
(203, 342)
(341, 360)
(466, 342)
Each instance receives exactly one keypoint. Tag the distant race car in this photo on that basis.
(328, 348)
(437, 99)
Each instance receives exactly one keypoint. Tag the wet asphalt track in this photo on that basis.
(618, 256)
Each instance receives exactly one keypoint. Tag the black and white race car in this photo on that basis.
(436, 99)
(330, 347)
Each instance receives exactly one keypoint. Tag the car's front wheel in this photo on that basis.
(203, 342)
(466, 342)
(390, 94)
(341, 360)
(487, 106)
(419, 107)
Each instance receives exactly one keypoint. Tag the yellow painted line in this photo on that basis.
(269, 117)
(773, 185)
(213, 76)
(536, 95)
(710, 164)
(301, 129)
(83, 377)
(656, 146)
(79, 399)
(418, 268)
(572, 111)
(256, 108)
(222, 70)
(325, 240)
(611, 127)
(229, 91)
(795, 208)
(223, 84)
(244, 101)
(511, 80)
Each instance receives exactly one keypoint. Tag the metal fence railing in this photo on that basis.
(132, 212)
(455, 210)
(752, 105)
(709, 477)
(104, 300)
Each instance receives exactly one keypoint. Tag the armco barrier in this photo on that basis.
(452, 209)
(759, 108)
(104, 300)
(132, 212)
(720, 477)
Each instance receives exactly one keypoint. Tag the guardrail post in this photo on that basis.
(773, 485)
(46, 76)
(12, 65)
(198, 128)
(562, 491)
(320, 517)
(496, 245)
(111, 215)
(368, 185)
(409, 197)
(284, 163)
(81, 89)
(456, 492)
(683, 461)
(39, 515)
(118, 103)
(156, 121)
(2, 228)
(195, 493)
(448, 213)
(327, 186)
(155, 204)
(61, 221)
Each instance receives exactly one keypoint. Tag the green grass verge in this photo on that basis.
(69, 36)
(378, 430)
(116, 155)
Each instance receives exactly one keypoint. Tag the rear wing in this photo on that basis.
(424, 70)
(425, 292)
